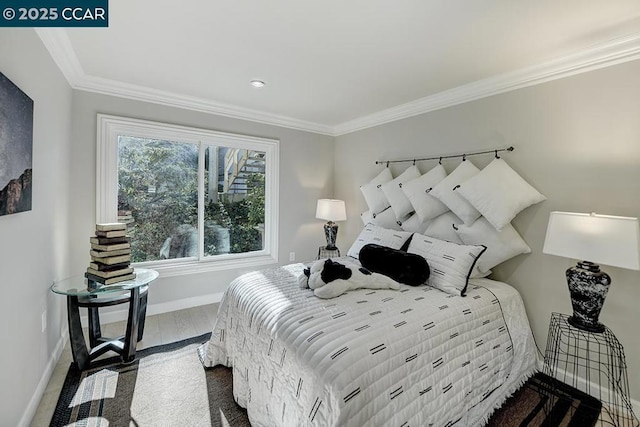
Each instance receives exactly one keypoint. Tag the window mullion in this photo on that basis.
(201, 157)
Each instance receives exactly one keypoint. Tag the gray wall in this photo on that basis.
(34, 244)
(41, 246)
(577, 141)
(306, 174)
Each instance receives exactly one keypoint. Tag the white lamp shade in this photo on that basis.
(331, 210)
(601, 239)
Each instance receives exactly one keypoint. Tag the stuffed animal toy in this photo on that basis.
(329, 279)
(410, 269)
(311, 277)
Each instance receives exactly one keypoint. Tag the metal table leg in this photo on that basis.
(143, 312)
(76, 336)
(131, 336)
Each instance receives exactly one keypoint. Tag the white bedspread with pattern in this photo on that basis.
(413, 357)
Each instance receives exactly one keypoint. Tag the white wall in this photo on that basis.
(34, 244)
(577, 141)
(306, 174)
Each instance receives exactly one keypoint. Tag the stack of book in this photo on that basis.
(110, 255)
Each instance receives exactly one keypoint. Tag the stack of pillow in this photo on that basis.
(468, 211)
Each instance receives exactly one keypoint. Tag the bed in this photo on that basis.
(445, 353)
(417, 356)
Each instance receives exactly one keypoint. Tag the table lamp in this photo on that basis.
(596, 239)
(331, 210)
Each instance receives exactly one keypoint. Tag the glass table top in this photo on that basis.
(79, 285)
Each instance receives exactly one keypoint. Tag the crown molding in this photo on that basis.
(145, 94)
(616, 51)
(59, 46)
(602, 55)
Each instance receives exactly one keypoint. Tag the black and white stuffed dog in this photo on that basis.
(329, 279)
(410, 269)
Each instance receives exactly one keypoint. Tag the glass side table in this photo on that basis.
(81, 293)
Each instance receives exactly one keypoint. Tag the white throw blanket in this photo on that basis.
(410, 357)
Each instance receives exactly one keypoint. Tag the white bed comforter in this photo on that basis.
(413, 357)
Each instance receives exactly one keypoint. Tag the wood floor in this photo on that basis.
(159, 329)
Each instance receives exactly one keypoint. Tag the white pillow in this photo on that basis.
(366, 217)
(414, 225)
(442, 227)
(446, 192)
(373, 195)
(417, 191)
(451, 264)
(501, 245)
(386, 219)
(499, 193)
(393, 191)
(371, 233)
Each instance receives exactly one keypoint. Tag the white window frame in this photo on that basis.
(109, 128)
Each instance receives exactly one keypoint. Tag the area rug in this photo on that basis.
(167, 386)
(546, 402)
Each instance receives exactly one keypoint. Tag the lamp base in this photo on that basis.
(330, 233)
(588, 287)
(575, 321)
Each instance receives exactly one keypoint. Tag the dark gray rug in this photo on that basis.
(545, 402)
(167, 386)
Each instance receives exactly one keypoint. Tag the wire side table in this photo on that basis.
(323, 252)
(594, 363)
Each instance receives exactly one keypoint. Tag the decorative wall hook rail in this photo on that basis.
(451, 156)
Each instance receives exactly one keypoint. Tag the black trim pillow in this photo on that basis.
(372, 233)
(403, 267)
(451, 264)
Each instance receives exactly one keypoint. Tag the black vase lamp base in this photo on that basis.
(576, 322)
(588, 287)
(330, 233)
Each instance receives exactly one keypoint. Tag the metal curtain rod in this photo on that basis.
(451, 156)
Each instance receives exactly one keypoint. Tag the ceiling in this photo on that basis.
(334, 66)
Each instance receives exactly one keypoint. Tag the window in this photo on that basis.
(194, 199)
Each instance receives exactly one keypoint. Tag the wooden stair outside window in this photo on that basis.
(239, 164)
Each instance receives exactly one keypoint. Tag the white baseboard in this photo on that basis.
(32, 407)
(165, 307)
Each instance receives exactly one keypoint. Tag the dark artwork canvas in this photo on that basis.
(16, 143)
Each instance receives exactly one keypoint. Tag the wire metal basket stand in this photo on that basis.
(594, 363)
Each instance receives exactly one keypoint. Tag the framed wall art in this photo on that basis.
(16, 147)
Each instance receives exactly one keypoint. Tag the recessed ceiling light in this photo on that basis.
(257, 83)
